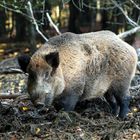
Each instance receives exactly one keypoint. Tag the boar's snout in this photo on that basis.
(41, 101)
(39, 104)
(40, 92)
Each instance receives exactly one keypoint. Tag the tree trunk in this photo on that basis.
(80, 16)
(73, 18)
(20, 27)
(31, 34)
(2, 23)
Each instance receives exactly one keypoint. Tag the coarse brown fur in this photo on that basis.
(91, 64)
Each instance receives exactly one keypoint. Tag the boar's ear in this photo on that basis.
(53, 59)
(23, 62)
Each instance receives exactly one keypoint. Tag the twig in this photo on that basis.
(138, 20)
(101, 8)
(16, 11)
(34, 21)
(42, 20)
(135, 87)
(134, 24)
(77, 6)
(21, 98)
(136, 5)
(82, 119)
(50, 20)
(11, 71)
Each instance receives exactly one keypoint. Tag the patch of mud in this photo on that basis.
(91, 120)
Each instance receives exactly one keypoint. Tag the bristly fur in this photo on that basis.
(94, 60)
(90, 65)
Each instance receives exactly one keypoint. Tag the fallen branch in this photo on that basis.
(51, 22)
(133, 23)
(11, 71)
(9, 96)
(129, 32)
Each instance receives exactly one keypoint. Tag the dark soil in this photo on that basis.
(92, 120)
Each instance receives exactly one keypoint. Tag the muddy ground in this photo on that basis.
(92, 120)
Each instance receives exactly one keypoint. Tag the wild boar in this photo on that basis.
(74, 67)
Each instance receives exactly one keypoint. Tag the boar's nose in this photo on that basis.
(39, 105)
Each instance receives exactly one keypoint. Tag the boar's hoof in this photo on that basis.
(124, 107)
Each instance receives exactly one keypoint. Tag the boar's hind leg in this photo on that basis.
(121, 91)
(112, 102)
(123, 101)
(118, 98)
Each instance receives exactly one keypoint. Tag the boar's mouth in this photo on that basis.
(41, 104)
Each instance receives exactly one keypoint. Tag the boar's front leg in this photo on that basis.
(72, 93)
(67, 101)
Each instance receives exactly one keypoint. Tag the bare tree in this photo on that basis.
(29, 15)
(125, 8)
(134, 24)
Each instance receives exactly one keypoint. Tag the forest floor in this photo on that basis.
(91, 120)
